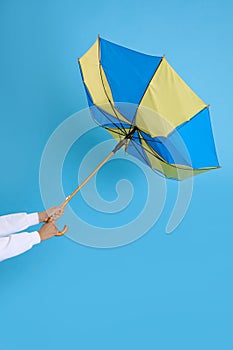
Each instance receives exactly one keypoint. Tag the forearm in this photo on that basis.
(17, 222)
(17, 244)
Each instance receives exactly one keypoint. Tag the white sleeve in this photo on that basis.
(17, 244)
(17, 222)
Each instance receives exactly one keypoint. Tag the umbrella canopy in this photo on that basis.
(130, 93)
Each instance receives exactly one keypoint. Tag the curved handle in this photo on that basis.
(62, 232)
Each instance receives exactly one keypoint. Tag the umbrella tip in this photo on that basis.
(98, 36)
(164, 55)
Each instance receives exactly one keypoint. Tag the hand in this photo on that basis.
(53, 213)
(47, 231)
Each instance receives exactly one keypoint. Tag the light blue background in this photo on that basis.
(161, 292)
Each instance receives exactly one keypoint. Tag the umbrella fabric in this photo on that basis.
(128, 90)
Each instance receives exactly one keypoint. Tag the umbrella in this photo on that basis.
(146, 106)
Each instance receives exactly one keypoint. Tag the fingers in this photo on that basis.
(51, 227)
(48, 230)
(55, 213)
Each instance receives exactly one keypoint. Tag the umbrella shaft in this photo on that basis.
(118, 146)
(87, 179)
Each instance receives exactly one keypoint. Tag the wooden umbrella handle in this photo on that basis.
(87, 179)
(65, 228)
(62, 232)
(118, 146)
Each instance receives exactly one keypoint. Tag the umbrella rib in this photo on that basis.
(131, 127)
(155, 170)
(110, 102)
(147, 150)
(158, 172)
(162, 143)
(172, 165)
(101, 111)
(161, 159)
(115, 132)
(140, 153)
(114, 111)
(156, 156)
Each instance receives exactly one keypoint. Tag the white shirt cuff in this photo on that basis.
(34, 236)
(33, 219)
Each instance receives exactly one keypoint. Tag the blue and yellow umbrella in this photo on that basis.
(140, 99)
(149, 109)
